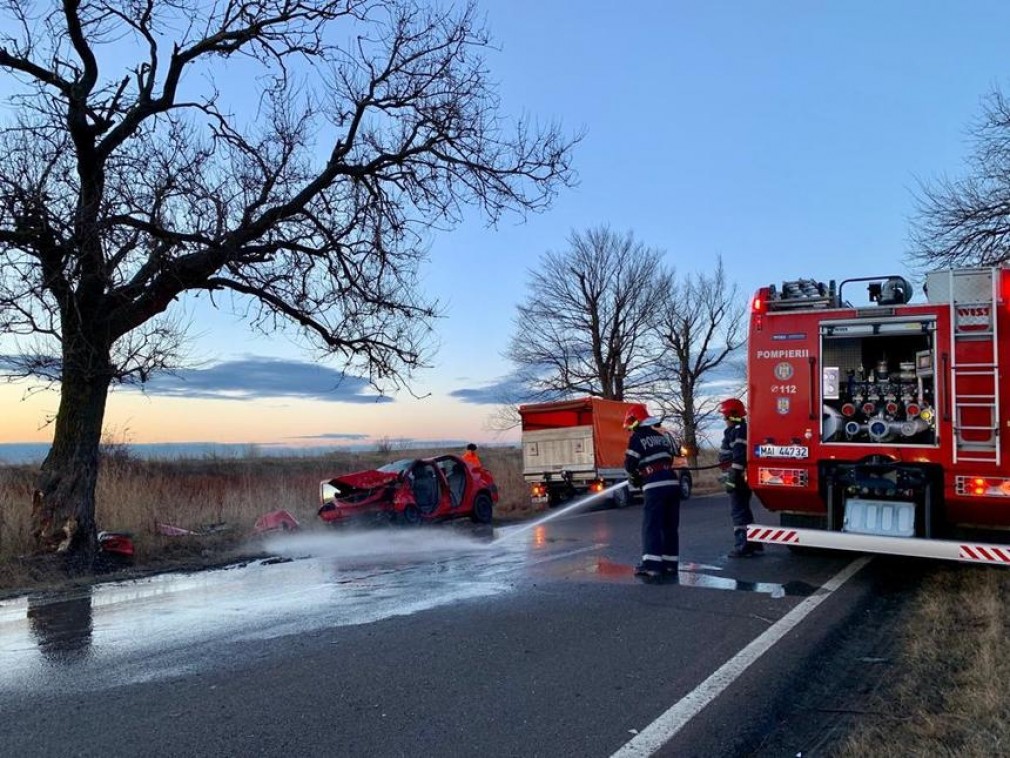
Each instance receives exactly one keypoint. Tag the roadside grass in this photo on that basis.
(220, 499)
(948, 695)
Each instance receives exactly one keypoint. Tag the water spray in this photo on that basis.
(580, 503)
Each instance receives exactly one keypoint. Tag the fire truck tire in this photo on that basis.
(483, 508)
(686, 485)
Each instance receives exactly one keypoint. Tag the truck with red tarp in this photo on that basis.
(575, 447)
(879, 427)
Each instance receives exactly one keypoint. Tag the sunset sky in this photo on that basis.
(787, 137)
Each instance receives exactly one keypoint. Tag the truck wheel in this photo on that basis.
(621, 498)
(483, 508)
(686, 485)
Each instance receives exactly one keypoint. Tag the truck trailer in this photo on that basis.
(878, 427)
(575, 447)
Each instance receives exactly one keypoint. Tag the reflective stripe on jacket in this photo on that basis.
(650, 455)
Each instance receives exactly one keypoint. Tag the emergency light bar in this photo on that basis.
(982, 486)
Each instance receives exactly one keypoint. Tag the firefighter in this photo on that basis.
(470, 456)
(649, 463)
(733, 460)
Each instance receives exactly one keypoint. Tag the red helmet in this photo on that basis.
(732, 408)
(636, 416)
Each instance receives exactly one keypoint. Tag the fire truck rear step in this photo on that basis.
(948, 550)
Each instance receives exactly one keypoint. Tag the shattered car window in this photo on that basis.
(397, 466)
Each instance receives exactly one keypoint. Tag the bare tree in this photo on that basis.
(128, 188)
(700, 328)
(966, 222)
(584, 325)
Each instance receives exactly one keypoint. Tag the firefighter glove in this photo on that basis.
(732, 479)
(635, 479)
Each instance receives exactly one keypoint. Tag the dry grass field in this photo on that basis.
(948, 692)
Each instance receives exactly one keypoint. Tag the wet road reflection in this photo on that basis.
(61, 626)
(144, 630)
(691, 575)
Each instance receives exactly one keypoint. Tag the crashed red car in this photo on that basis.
(411, 491)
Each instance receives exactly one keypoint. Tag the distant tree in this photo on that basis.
(700, 328)
(128, 186)
(584, 326)
(966, 222)
(505, 415)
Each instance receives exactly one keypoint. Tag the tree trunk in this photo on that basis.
(689, 421)
(63, 509)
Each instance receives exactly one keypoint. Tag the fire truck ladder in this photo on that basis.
(974, 366)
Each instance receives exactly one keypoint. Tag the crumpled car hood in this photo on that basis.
(362, 480)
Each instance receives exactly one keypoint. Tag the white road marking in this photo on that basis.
(663, 729)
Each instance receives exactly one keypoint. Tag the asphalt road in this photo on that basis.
(453, 641)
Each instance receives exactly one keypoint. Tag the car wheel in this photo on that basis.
(621, 498)
(411, 516)
(686, 485)
(483, 508)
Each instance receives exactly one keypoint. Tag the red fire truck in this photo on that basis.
(877, 427)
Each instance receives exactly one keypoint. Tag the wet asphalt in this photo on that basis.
(447, 640)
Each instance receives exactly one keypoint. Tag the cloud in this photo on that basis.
(349, 437)
(256, 377)
(503, 391)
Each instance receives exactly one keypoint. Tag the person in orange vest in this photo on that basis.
(470, 457)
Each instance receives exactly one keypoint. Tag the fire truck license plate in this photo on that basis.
(783, 451)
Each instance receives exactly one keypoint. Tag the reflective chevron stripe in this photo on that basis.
(985, 554)
(767, 534)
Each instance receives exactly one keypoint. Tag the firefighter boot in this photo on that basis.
(741, 548)
(648, 573)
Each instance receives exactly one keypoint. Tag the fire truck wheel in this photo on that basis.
(483, 508)
(686, 485)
